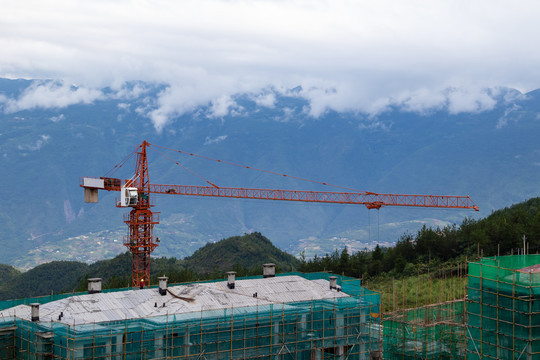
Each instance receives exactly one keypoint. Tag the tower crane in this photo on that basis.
(135, 193)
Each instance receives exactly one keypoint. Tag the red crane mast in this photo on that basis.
(135, 193)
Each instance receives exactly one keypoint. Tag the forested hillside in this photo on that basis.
(439, 251)
(240, 253)
(244, 254)
(432, 248)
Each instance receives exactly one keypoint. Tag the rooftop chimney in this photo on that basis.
(94, 285)
(269, 270)
(333, 282)
(163, 285)
(35, 311)
(231, 276)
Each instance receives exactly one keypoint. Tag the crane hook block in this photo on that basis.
(128, 196)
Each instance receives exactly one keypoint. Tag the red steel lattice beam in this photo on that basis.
(370, 200)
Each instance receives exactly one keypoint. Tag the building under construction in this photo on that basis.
(289, 316)
(429, 332)
(503, 308)
(499, 319)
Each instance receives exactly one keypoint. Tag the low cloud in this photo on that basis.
(209, 140)
(468, 100)
(267, 100)
(363, 57)
(508, 116)
(57, 118)
(128, 91)
(51, 94)
(171, 103)
(455, 100)
(37, 145)
(374, 125)
(175, 100)
(222, 106)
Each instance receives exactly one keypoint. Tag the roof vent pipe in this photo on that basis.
(333, 282)
(163, 285)
(94, 285)
(35, 311)
(231, 276)
(269, 270)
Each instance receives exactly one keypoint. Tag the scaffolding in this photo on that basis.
(345, 327)
(503, 308)
(429, 332)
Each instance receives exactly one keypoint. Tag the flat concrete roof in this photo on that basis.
(181, 299)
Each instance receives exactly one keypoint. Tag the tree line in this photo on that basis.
(431, 249)
(438, 251)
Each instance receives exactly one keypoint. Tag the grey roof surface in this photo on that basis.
(134, 304)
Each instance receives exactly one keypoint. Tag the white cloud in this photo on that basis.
(266, 99)
(507, 116)
(347, 55)
(43, 139)
(455, 100)
(171, 102)
(469, 100)
(124, 91)
(422, 100)
(209, 140)
(57, 118)
(222, 106)
(373, 125)
(51, 94)
(288, 114)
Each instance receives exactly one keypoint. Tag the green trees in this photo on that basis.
(436, 250)
(243, 254)
(500, 233)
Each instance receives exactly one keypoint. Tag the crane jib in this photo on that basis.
(371, 200)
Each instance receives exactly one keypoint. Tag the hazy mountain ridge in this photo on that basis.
(491, 156)
(246, 254)
(431, 250)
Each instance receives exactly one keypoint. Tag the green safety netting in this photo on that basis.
(504, 308)
(347, 327)
(429, 332)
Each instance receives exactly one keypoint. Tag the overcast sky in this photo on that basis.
(347, 55)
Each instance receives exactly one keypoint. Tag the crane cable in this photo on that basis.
(253, 168)
(121, 163)
(185, 168)
(378, 226)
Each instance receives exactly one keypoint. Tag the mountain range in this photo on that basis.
(50, 138)
(244, 254)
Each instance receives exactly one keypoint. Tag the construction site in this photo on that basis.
(290, 316)
(434, 331)
(503, 308)
(285, 316)
(491, 312)
(498, 318)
